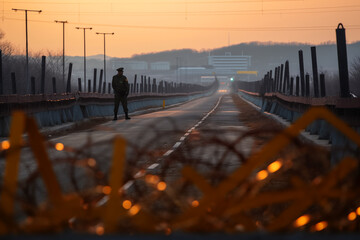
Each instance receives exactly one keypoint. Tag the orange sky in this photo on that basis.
(143, 26)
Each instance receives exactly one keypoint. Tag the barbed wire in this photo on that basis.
(194, 172)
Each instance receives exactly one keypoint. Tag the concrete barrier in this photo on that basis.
(320, 128)
(81, 109)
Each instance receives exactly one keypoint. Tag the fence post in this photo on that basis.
(1, 75)
(104, 88)
(281, 77)
(32, 83)
(13, 81)
(154, 85)
(144, 85)
(100, 80)
(43, 61)
(286, 77)
(342, 61)
(291, 86)
(89, 85)
(315, 71)
(322, 85)
(109, 88)
(94, 83)
(307, 88)
(141, 84)
(79, 85)
(276, 79)
(302, 76)
(297, 93)
(54, 84)
(149, 85)
(68, 85)
(135, 84)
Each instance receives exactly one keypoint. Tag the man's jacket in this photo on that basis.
(120, 85)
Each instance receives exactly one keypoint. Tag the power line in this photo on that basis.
(243, 12)
(249, 29)
(160, 2)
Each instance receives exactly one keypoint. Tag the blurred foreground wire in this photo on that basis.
(209, 184)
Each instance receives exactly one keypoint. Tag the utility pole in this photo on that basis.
(84, 28)
(27, 49)
(104, 53)
(63, 23)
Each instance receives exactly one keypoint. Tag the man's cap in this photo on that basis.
(120, 69)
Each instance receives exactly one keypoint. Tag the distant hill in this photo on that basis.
(265, 56)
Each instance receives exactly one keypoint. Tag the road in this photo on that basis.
(201, 130)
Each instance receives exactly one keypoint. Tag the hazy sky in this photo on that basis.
(143, 26)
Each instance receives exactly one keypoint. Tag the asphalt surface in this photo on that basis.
(150, 137)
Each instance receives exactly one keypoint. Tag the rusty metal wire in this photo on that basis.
(165, 194)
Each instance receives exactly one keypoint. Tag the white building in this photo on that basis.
(230, 62)
(160, 66)
(130, 65)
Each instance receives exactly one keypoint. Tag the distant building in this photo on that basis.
(193, 74)
(231, 63)
(130, 65)
(160, 66)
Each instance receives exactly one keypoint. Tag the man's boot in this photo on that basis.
(115, 117)
(127, 116)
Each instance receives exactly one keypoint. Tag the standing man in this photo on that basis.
(120, 85)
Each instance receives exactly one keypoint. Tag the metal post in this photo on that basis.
(307, 86)
(104, 88)
(297, 86)
(27, 48)
(89, 85)
(315, 71)
(43, 62)
(63, 23)
(145, 85)
(281, 77)
(84, 28)
(276, 79)
(286, 77)
(302, 76)
(291, 86)
(104, 53)
(269, 80)
(79, 85)
(135, 84)
(94, 83)
(68, 86)
(154, 86)
(54, 84)
(100, 80)
(342, 61)
(322, 85)
(109, 87)
(32, 82)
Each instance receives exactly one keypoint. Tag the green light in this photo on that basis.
(231, 79)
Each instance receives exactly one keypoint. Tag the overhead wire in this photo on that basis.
(159, 2)
(276, 28)
(328, 9)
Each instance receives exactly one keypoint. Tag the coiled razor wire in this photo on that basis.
(155, 183)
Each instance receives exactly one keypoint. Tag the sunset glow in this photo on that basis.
(143, 26)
